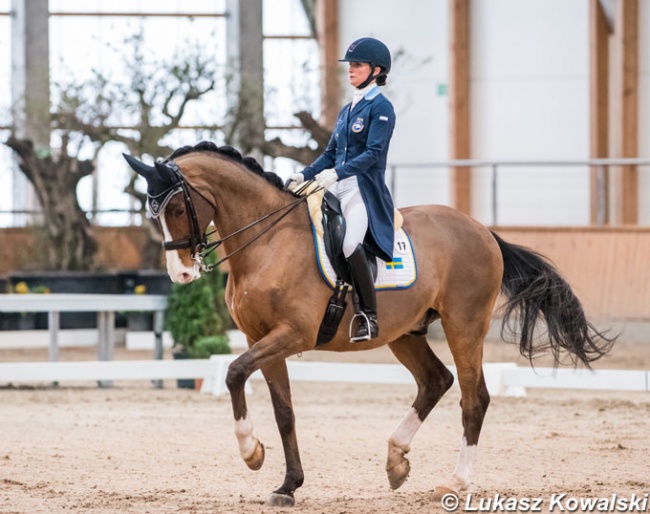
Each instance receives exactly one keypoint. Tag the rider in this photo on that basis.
(352, 167)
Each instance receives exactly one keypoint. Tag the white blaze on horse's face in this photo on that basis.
(177, 271)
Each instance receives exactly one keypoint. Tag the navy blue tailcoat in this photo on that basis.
(359, 146)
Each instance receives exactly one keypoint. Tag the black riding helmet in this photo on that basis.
(375, 53)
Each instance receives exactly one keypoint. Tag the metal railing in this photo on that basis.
(600, 165)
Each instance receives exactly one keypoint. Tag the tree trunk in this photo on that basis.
(70, 243)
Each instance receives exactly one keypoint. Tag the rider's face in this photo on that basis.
(358, 72)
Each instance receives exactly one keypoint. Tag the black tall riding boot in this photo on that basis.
(364, 285)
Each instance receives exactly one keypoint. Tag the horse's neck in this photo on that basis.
(242, 198)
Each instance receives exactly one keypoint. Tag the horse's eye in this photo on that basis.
(179, 212)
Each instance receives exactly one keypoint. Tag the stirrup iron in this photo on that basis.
(365, 320)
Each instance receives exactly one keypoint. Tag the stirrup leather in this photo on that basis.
(333, 314)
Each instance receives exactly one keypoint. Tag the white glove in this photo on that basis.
(327, 178)
(295, 180)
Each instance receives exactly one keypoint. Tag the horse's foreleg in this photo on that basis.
(267, 354)
(277, 379)
(433, 380)
(250, 447)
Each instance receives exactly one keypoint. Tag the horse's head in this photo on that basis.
(183, 215)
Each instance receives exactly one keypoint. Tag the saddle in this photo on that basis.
(333, 235)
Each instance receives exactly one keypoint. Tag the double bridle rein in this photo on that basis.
(197, 241)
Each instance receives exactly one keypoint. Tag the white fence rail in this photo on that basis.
(105, 305)
(502, 379)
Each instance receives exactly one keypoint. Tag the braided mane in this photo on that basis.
(234, 155)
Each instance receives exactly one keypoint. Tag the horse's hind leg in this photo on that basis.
(465, 339)
(433, 380)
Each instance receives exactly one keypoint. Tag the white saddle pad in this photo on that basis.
(400, 273)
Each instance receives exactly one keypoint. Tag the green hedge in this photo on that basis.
(197, 313)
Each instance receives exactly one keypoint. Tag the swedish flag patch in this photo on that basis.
(396, 263)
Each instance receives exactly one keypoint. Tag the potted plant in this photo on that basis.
(23, 320)
(139, 321)
(197, 319)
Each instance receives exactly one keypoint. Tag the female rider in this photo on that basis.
(353, 166)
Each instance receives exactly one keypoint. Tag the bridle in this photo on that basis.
(198, 243)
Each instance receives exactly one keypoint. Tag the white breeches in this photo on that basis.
(354, 212)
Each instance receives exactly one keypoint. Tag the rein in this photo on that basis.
(198, 243)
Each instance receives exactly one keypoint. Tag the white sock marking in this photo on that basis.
(464, 467)
(399, 443)
(244, 433)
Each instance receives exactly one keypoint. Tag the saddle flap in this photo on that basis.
(333, 235)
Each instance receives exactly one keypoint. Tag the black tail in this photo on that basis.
(535, 289)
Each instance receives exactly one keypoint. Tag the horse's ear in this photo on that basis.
(165, 173)
(142, 169)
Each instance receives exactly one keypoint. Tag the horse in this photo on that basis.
(276, 296)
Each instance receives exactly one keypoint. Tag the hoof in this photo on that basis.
(398, 474)
(280, 500)
(441, 491)
(256, 460)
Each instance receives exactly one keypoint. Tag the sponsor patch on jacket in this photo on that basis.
(357, 126)
(383, 118)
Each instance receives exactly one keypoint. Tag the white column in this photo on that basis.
(245, 47)
(30, 88)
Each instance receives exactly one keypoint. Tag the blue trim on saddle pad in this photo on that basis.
(398, 263)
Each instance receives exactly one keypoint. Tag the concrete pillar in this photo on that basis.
(245, 47)
(30, 87)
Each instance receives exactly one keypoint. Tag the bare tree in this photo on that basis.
(302, 154)
(152, 103)
(139, 112)
(69, 243)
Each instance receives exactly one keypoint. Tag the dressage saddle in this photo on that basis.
(333, 235)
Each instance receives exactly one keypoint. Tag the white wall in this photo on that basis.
(416, 33)
(529, 101)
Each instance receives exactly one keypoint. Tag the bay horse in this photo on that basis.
(277, 298)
